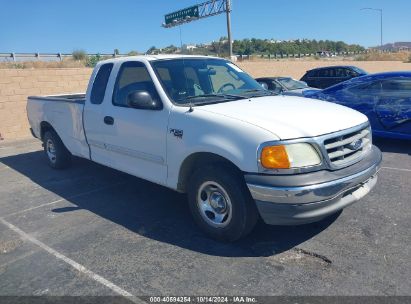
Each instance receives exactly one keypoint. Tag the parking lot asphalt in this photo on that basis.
(91, 230)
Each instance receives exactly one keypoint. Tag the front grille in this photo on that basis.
(347, 148)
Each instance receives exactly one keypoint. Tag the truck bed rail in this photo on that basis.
(74, 98)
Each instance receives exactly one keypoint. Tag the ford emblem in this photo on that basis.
(355, 145)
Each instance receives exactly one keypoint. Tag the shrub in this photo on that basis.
(378, 56)
(133, 53)
(79, 55)
(92, 60)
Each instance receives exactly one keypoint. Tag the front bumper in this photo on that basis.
(309, 197)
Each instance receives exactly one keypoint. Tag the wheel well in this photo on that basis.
(44, 127)
(197, 160)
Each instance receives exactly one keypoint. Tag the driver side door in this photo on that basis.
(135, 139)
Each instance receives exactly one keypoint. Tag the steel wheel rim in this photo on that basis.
(214, 204)
(51, 150)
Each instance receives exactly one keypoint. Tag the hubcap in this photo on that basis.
(214, 204)
(51, 151)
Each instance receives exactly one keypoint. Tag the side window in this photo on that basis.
(100, 83)
(366, 88)
(351, 73)
(343, 73)
(397, 85)
(276, 87)
(313, 73)
(132, 76)
(323, 73)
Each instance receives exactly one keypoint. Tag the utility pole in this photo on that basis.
(230, 42)
(378, 10)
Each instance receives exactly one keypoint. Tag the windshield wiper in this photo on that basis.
(217, 98)
(266, 93)
(226, 96)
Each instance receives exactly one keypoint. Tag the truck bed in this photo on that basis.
(65, 113)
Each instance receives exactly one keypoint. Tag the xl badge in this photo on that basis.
(355, 145)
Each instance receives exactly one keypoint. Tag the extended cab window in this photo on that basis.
(133, 76)
(100, 83)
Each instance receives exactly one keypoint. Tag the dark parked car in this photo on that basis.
(328, 76)
(385, 98)
(284, 85)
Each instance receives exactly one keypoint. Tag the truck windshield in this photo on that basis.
(199, 81)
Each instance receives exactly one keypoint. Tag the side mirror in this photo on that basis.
(143, 100)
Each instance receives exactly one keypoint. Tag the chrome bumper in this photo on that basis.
(312, 193)
(288, 205)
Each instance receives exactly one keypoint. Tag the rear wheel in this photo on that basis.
(221, 204)
(57, 154)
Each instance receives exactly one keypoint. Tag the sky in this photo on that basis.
(100, 26)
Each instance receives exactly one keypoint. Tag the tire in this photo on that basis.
(221, 204)
(57, 154)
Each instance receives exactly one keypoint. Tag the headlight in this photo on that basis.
(289, 156)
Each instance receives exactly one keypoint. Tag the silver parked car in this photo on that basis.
(284, 85)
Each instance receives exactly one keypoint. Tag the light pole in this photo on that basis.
(230, 43)
(378, 10)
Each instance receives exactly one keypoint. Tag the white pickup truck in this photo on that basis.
(202, 126)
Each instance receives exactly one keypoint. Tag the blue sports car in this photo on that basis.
(385, 98)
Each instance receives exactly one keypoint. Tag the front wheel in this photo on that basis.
(221, 204)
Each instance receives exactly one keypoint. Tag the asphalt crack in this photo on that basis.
(312, 254)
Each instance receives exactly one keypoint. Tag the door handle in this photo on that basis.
(108, 120)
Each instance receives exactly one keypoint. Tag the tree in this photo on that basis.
(152, 50)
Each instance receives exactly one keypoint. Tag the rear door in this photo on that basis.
(394, 105)
(93, 116)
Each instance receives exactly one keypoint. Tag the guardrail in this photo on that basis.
(61, 56)
(301, 55)
(47, 56)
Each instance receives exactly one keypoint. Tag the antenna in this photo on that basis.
(184, 72)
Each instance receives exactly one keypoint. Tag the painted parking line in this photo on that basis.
(65, 199)
(396, 169)
(118, 290)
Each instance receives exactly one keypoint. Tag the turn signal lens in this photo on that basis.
(275, 157)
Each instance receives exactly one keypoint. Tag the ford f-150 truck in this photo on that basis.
(202, 126)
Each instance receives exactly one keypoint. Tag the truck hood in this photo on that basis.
(290, 117)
